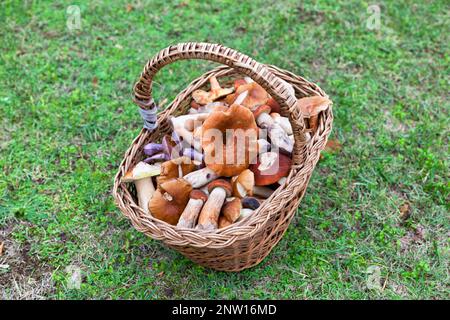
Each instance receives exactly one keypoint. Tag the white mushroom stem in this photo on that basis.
(145, 190)
(283, 122)
(240, 98)
(184, 125)
(200, 177)
(210, 107)
(209, 216)
(245, 212)
(277, 134)
(262, 192)
(189, 216)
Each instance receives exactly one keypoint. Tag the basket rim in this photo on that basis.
(248, 226)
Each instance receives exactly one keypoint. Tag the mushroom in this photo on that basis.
(169, 200)
(230, 212)
(283, 122)
(229, 139)
(243, 184)
(255, 95)
(213, 106)
(209, 216)
(270, 167)
(142, 175)
(189, 216)
(250, 203)
(203, 97)
(152, 148)
(157, 157)
(193, 155)
(263, 192)
(310, 107)
(277, 135)
(175, 168)
(245, 212)
(201, 177)
(263, 146)
(185, 125)
(273, 104)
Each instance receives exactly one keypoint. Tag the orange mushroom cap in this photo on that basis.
(236, 128)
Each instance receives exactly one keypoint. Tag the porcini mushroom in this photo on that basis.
(169, 200)
(270, 167)
(201, 177)
(209, 216)
(229, 139)
(189, 216)
(216, 91)
(230, 212)
(248, 95)
(175, 168)
(142, 175)
(277, 135)
(310, 107)
(245, 212)
(243, 184)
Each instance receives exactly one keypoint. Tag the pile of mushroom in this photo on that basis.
(223, 158)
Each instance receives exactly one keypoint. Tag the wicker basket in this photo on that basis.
(246, 243)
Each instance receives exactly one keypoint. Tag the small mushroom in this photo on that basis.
(201, 177)
(157, 158)
(263, 146)
(213, 106)
(250, 203)
(193, 155)
(277, 135)
(209, 216)
(270, 167)
(203, 97)
(170, 147)
(230, 212)
(310, 107)
(169, 200)
(243, 184)
(142, 175)
(175, 168)
(152, 148)
(189, 216)
(245, 212)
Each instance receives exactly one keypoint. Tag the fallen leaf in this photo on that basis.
(405, 211)
(416, 236)
(332, 146)
(160, 274)
(1, 248)
(129, 7)
(95, 82)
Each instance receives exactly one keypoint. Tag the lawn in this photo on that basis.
(379, 205)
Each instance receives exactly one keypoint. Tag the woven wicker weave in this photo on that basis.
(247, 242)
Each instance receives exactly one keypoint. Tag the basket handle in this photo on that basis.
(214, 52)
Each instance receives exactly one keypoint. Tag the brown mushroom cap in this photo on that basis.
(257, 111)
(140, 171)
(204, 97)
(169, 201)
(220, 183)
(269, 172)
(198, 194)
(246, 181)
(273, 104)
(256, 95)
(311, 106)
(239, 120)
(171, 169)
(230, 212)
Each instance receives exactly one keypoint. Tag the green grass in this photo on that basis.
(63, 135)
